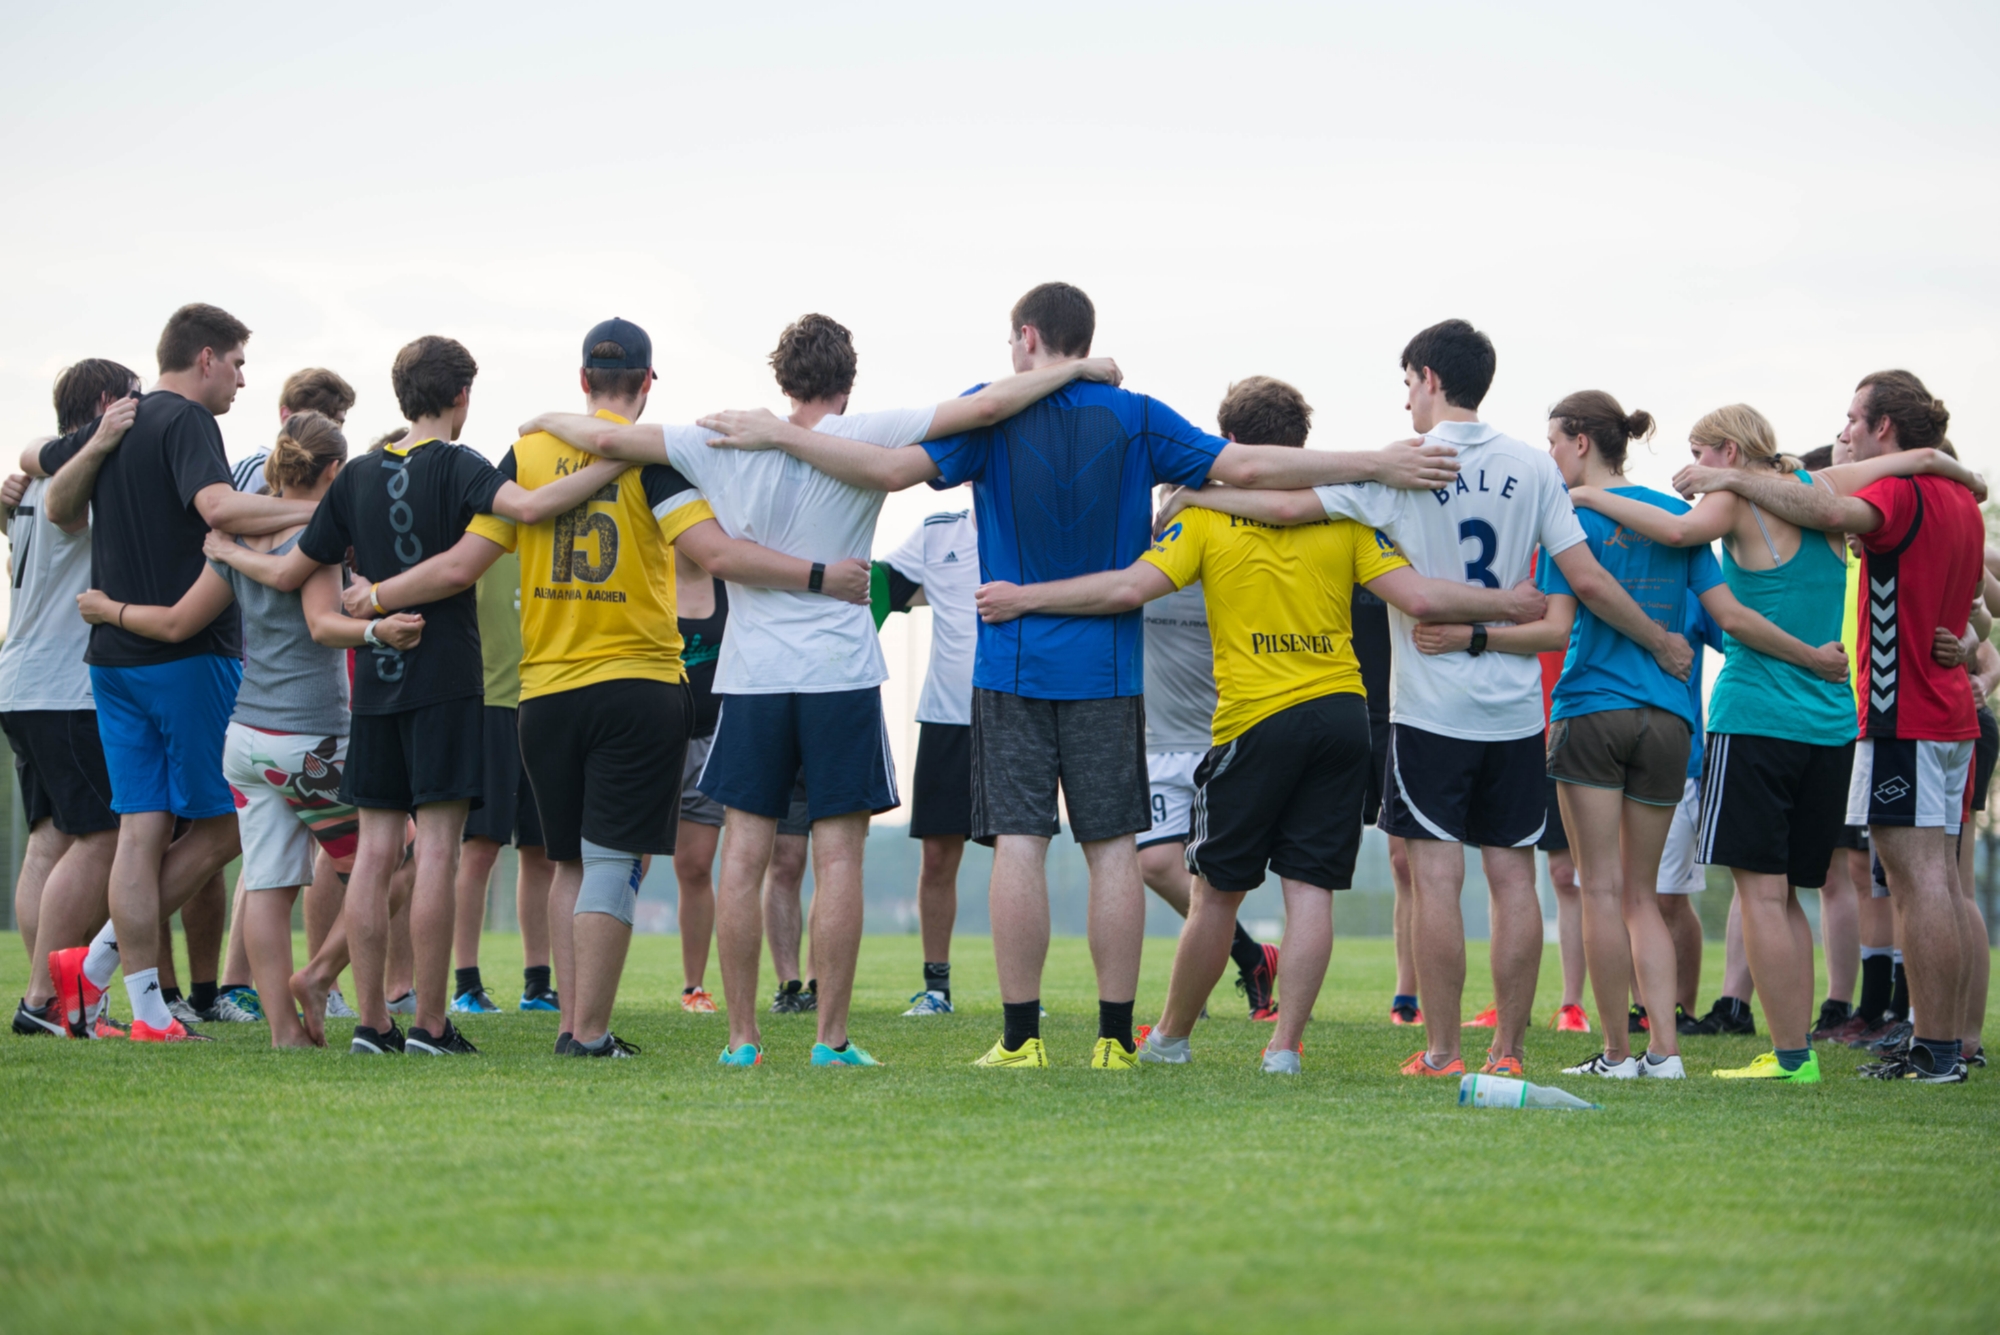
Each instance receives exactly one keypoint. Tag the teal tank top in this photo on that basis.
(1763, 696)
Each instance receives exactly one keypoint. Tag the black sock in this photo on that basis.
(468, 980)
(791, 986)
(535, 980)
(812, 986)
(937, 978)
(1023, 1021)
(169, 995)
(1899, 994)
(1877, 973)
(1114, 1020)
(202, 997)
(1938, 1054)
(1249, 956)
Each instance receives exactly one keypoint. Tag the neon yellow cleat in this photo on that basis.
(1029, 1056)
(1765, 1067)
(1110, 1055)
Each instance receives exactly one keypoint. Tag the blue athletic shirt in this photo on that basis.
(1701, 630)
(1604, 670)
(1063, 489)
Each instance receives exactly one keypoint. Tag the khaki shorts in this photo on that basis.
(1642, 753)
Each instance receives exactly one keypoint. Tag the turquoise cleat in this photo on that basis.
(746, 1056)
(851, 1055)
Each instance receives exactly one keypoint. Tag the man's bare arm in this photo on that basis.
(1597, 590)
(1534, 637)
(227, 510)
(603, 437)
(854, 462)
(1281, 508)
(525, 505)
(453, 570)
(740, 561)
(1429, 599)
(1850, 478)
(1003, 398)
(283, 573)
(1809, 507)
(68, 497)
(1410, 465)
(31, 458)
(1103, 594)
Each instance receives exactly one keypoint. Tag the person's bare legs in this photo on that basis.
(476, 857)
(937, 893)
(1515, 912)
(565, 884)
(1302, 967)
(1437, 876)
(1737, 981)
(153, 875)
(784, 923)
(205, 921)
(379, 853)
(1922, 867)
(1200, 956)
(400, 977)
(1404, 919)
(1163, 867)
(837, 846)
(533, 873)
(1117, 917)
(1617, 844)
(236, 954)
(1840, 929)
(72, 905)
(694, 872)
(324, 900)
(46, 845)
(440, 829)
(1978, 955)
(747, 842)
(1569, 925)
(597, 943)
(1765, 902)
(267, 938)
(1684, 926)
(1018, 906)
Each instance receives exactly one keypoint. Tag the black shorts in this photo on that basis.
(1491, 794)
(1984, 752)
(509, 816)
(1854, 837)
(1773, 806)
(942, 803)
(1096, 749)
(1371, 649)
(1285, 795)
(59, 769)
(1555, 839)
(605, 761)
(433, 753)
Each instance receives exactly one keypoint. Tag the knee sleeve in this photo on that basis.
(610, 882)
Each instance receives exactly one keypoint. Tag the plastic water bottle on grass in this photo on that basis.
(1497, 1091)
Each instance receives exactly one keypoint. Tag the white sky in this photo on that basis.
(1686, 205)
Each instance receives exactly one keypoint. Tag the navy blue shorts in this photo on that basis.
(836, 740)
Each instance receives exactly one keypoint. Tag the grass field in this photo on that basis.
(230, 1188)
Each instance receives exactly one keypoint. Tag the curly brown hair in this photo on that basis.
(814, 359)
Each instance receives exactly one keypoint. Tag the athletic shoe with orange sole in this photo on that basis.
(1406, 1015)
(697, 1001)
(175, 1032)
(1486, 1019)
(1507, 1066)
(1419, 1064)
(1570, 1020)
(106, 1027)
(1259, 986)
(76, 992)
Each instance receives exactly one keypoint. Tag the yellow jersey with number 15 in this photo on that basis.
(597, 582)
(1280, 606)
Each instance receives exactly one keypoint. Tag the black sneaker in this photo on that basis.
(1636, 1022)
(1258, 985)
(47, 1021)
(1832, 1015)
(1902, 1067)
(564, 1043)
(1730, 1016)
(450, 1043)
(1977, 1058)
(791, 999)
(1683, 1022)
(612, 1046)
(375, 1043)
(1894, 1039)
(809, 999)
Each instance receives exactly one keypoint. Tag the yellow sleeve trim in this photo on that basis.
(684, 517)
(495, 529)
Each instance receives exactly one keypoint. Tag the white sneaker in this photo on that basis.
(337, 1007)
(1282, 1062)
(1670, 1069)
(182, 1011)
(1610, 1070)
(1173, 1051)
(404, 1005)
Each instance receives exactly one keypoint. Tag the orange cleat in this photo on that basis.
(698, 1001)
(1570, 1020)
(1508, 1066)
(77, 993)
(1406, 1015)
(106, 1027)
(1419, 1064)
(175, 1032)
(1486, 1019)
(1268, 1014)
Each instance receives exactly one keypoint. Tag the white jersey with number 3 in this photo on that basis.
(1483, 529)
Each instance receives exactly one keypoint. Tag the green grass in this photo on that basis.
(232, 1188)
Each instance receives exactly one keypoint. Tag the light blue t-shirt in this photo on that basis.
(1604, 670)
(1701, 630)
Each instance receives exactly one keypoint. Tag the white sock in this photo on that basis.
(102, 961)
(144, 989)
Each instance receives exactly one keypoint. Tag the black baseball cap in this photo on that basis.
(638, 348)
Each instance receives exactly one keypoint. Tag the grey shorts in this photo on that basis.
(1640, 752)
(696, 805)
(1022, 748)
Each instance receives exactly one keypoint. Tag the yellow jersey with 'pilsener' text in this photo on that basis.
(1279, 606)
(597, 582)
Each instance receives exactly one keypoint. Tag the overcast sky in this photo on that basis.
(1686, 205)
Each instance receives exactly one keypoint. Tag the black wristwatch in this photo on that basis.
(818, 576)
(1478, 645)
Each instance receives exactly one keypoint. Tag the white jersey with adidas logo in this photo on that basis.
(1509, 499)
(943, 556)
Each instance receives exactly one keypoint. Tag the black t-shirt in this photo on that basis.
(145, 533)
(701, 645)
(396, 510)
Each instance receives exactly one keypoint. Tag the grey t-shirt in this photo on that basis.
(290, 684)
(1180, 673)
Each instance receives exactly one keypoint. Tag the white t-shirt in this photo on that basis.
(1508, 500)
(782, 641)
(943, 556)
(41, 664)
